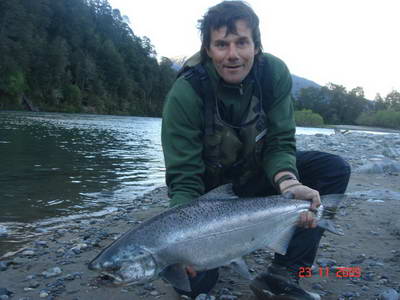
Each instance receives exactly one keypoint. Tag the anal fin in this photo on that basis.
(177, 276)
(240, 266)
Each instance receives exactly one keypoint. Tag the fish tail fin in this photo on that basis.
(330, 204)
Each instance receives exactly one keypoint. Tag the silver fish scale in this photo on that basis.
(210, 233)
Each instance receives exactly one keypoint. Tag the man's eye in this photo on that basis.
(242, 43)
(220, 45)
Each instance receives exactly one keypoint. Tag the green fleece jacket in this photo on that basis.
(183, 128)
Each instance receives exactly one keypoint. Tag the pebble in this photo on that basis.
(43, 294)
(34, 284)
(79, 248)
(154, 293)
(351, 294)
(389, 294)
(205, 297)
(224, 291)
(52, 272)
(326, 262)
(4, 291)
(3, 266)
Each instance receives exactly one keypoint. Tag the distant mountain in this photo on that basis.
(301, 83)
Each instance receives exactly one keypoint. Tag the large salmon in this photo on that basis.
(214, 230)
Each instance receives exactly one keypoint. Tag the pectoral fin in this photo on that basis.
(240, 266)
(177, 276)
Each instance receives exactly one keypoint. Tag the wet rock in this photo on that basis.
(205, 297)
(326, 262)
(79, 248)
(351, 294)
(34, 284)
(5, 292)
(44, 293)
(369, 276)
(149, 287)
(52, 272)
(3, 266)
(359, 260)
(154, 293)
(73, 276)
(389, 294)
(317, 286)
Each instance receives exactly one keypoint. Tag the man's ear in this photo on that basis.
(207, 51)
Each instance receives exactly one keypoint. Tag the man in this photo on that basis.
(229, 118)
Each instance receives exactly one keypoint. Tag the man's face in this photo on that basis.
(232, 54)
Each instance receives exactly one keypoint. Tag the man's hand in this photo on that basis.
(297, 190)
(302, 192)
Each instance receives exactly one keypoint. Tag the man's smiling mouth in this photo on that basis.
(233, 67)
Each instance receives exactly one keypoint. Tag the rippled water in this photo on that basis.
(55, 166)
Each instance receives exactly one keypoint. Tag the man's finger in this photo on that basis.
(191, 271)
(316, 202)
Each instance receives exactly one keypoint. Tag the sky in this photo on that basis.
(348, 42)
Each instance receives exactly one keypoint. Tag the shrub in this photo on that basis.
(381, 118)
(306, 117)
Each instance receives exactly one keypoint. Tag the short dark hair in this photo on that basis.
(226, 14)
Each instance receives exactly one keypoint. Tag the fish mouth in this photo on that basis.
(108, 278)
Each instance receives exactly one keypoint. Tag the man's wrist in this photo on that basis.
(284, 180)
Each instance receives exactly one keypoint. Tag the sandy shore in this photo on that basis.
(54, 265)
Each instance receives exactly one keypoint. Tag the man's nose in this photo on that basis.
(233, 52)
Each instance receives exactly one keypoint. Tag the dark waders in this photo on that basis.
(327, 173)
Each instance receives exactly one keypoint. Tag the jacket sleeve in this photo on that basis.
(280, 147)
(182, 144)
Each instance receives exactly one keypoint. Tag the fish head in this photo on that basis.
(126, 266)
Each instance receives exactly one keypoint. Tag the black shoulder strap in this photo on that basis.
(198, 78)
(264, 78)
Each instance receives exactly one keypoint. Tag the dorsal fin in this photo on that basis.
(222, 192)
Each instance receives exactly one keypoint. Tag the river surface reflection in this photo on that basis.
(56, 165)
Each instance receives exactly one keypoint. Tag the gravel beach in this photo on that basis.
(362, 264)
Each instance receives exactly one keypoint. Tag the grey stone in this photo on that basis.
(52, 272)
(326, 262)
(3, 266)
(205, 297)
(389, 294)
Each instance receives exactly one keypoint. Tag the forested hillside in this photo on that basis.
(77, 56)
